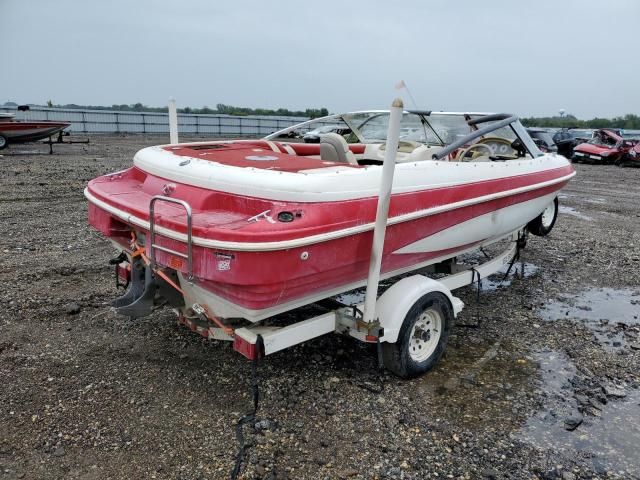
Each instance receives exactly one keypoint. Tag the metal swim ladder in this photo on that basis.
(152, 234)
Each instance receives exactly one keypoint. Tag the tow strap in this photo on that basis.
(251, 416)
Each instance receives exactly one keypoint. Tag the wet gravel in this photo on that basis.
(86, 394)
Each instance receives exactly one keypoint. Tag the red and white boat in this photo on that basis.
(20, 131)
(252, 228)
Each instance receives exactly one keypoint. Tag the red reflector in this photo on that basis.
(249, 350)
(175, 263)
(371, 339)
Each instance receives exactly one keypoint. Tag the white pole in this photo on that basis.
(173, 121)
(384, 197)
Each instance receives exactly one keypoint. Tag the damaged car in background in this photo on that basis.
(632, 156)
(608, 145)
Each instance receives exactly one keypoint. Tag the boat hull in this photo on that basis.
(19, 132)
(334, 265)
(257, 279)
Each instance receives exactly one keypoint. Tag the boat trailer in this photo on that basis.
(59, 141)
(391, 308)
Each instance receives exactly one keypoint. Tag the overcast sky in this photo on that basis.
(527, 57)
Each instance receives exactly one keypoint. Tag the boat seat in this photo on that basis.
(423, 152)
(334, 148)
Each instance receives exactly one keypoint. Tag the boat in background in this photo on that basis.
(20, 131)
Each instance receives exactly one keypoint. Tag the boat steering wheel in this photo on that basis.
(461, 156)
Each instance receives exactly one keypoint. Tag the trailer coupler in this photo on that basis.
(138, 299)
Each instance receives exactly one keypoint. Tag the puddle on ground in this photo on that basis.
(607, 442)
(489, 284)
(479, 384)
(573, 212)
(608, 313)
(497, 280)
(596, 200)
(519, 269)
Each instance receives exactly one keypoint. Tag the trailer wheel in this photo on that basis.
(3, 142)
(543, 223)
(422, 339)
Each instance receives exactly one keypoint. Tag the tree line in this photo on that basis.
(219, 109)
(628, 122)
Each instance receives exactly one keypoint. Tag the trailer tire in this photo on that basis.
(3, 142)
(422, 338)
(543, 223)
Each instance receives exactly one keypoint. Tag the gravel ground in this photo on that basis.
(86, 394)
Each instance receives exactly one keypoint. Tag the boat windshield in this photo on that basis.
(434, 129)
(372, 127)
(503, 132)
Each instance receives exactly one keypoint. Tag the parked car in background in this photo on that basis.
(565, 142)
(566, 139)
(581, 134)
(562, 140)
(608, 145)
(543, 139)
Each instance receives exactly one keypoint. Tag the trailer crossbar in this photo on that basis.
(276, 339)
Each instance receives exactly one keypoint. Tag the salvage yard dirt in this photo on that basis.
(546, 387)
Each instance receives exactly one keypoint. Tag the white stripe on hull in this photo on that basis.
(496, 223)
(227, 309)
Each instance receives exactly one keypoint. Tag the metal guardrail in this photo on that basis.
(110, 121)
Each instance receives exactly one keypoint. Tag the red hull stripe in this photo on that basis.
(7, 126)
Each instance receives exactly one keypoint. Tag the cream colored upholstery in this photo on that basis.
(423, 152)
(334, 148)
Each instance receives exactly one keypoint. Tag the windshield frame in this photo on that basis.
(472, 119)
